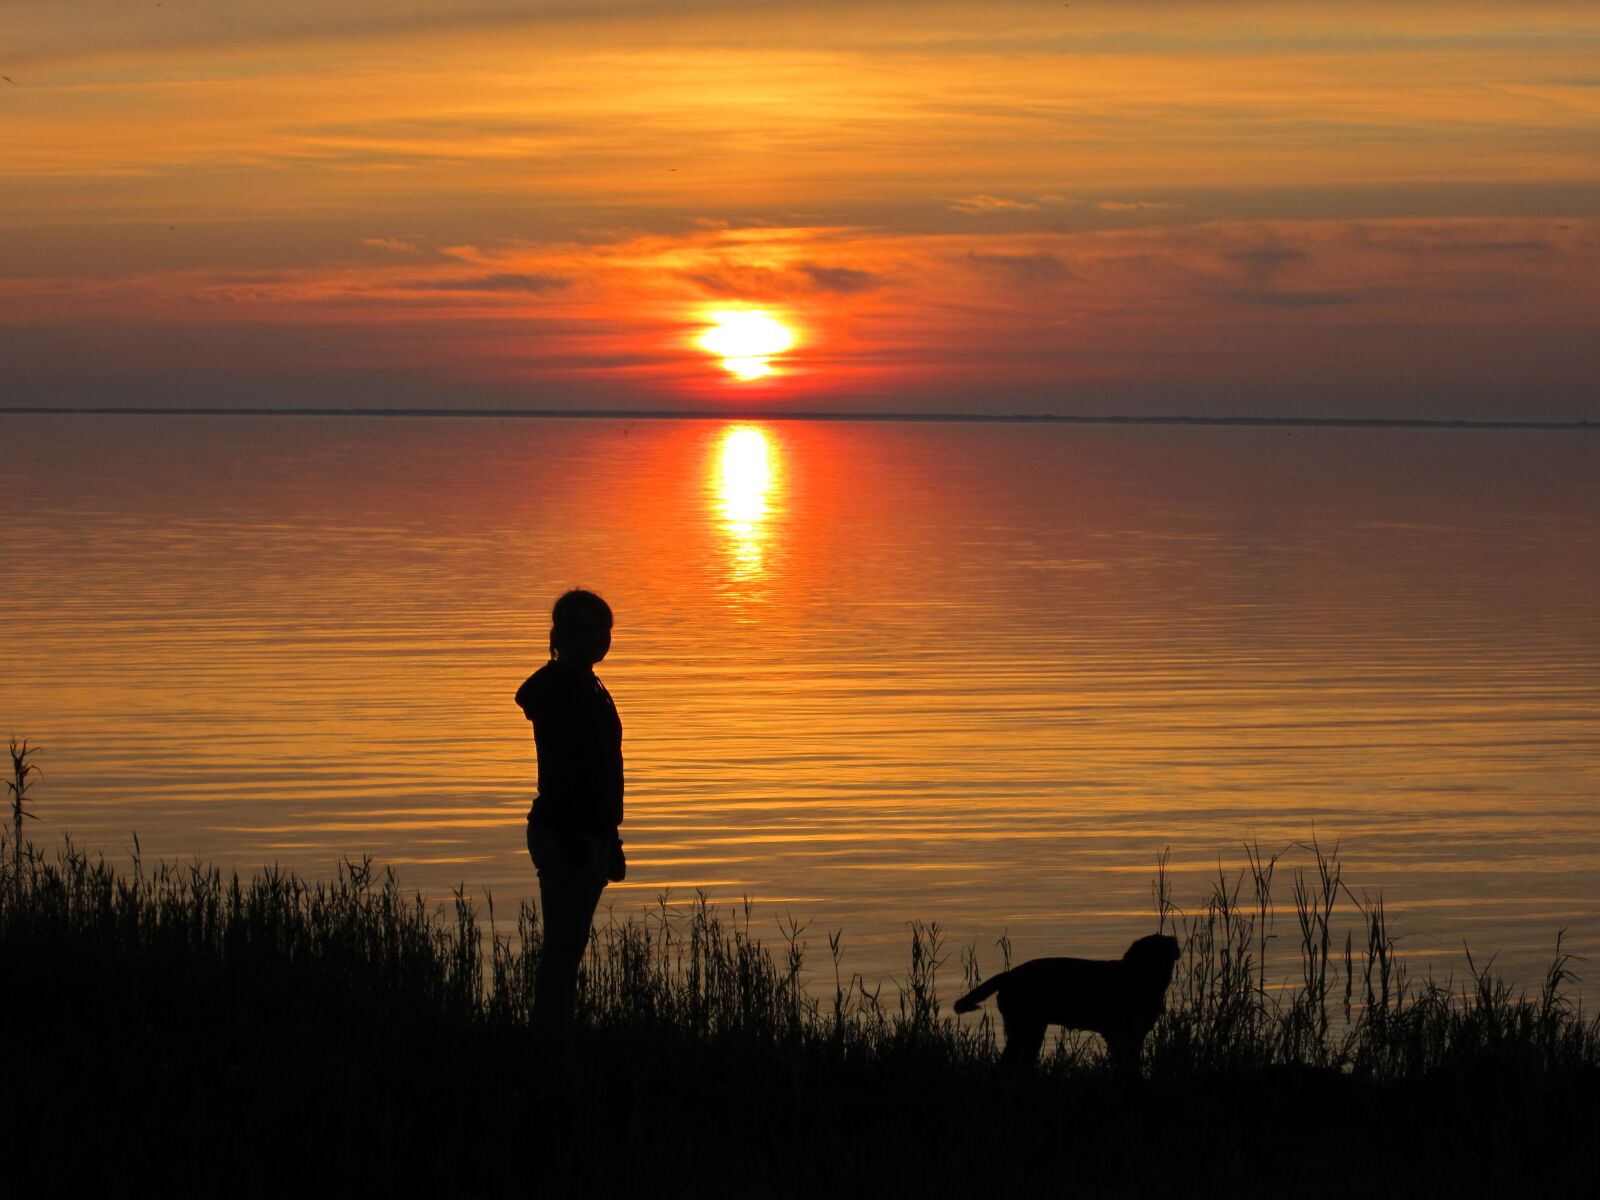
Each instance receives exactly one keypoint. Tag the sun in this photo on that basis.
(746, 340)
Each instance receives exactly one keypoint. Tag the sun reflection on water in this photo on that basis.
(744, 484)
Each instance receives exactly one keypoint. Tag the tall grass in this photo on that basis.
(1355, 1011)
(269, 1033)
(360, 947)
(23, 769)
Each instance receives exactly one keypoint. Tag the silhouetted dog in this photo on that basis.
(1120, 999)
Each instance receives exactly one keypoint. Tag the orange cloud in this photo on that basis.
(1054, 205)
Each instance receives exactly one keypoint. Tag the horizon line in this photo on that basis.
(793, 415)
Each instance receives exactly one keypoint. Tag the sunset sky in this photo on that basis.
(1346, 209)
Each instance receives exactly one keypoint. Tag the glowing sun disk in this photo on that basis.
(746, 340)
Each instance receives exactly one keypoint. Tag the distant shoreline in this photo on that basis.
(623, 414)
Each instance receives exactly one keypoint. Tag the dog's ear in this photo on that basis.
(1157, 950)
(1148, 948)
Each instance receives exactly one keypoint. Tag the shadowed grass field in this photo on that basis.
(180, 1028)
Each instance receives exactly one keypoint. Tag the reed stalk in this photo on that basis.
(23, 769)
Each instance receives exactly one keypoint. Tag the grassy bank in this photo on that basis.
(207, 1032)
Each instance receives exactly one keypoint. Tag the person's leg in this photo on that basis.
(569, 892)
(568, 911)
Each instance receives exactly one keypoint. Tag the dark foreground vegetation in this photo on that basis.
(180, 1029)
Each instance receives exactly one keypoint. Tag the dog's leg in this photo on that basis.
(1024, 1037)
(1124, 1047)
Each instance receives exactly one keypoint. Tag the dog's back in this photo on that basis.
(1080, 993)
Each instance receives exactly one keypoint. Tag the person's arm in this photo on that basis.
(559, 738)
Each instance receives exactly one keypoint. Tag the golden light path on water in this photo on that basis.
(744, 479)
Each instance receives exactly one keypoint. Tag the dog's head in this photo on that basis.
(1154, 956)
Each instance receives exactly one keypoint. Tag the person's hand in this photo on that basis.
(616, 862)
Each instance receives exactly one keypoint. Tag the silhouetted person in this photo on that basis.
(572, 827)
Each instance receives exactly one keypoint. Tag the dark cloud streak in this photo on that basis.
(842, 281)
(503, 282)
(1264, 260)
(1272, 298)
(1028, 268)
(764, 283)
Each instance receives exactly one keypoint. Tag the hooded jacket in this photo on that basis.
(578, 736)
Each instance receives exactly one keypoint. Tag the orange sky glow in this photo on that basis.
(1151, 208)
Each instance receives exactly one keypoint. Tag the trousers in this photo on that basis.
(572, 874)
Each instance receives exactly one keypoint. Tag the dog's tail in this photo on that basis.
(980, 993)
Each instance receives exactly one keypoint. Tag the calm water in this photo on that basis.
(977, 674)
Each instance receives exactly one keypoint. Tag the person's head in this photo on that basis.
(580, 628)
